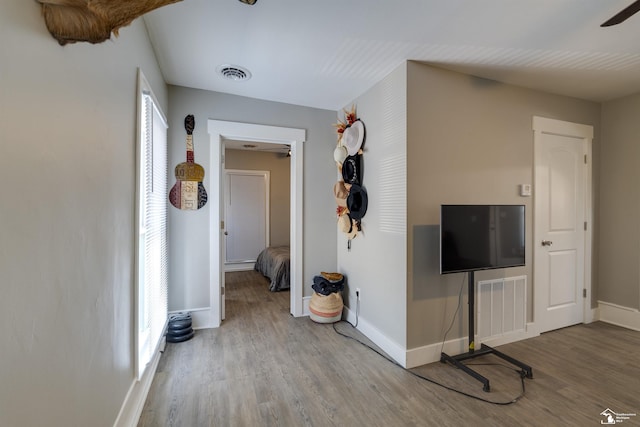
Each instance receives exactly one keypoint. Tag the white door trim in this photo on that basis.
(543, 125)
(219, 131)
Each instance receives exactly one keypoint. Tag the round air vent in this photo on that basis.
(233, 72)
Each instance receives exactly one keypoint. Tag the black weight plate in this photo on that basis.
(179, 324)
(180, 339)
(179, 332)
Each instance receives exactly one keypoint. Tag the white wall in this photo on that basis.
(377, 261)
(620, 203)
(67, 167)
(189, 231)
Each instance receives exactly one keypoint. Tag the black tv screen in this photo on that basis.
(481, 237)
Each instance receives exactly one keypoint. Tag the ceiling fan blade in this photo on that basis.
(624, 14)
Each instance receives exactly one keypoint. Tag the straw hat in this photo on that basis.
(341, 193)
(332, 277)
(326, 309)
(339, 154)
(348, 226)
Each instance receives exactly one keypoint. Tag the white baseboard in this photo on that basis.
(240, 266)
(530, 331)
(431, 353)
(619, 315)
(393, 349)
(137, 395)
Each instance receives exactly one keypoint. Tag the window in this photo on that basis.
(151, 217)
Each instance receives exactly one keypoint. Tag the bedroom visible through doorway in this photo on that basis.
(220, 133)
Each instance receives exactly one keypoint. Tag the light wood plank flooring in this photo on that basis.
(263, 367)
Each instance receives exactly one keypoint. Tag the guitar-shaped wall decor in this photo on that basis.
(188, 193)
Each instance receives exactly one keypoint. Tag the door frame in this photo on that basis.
(542, 125)
(266, 179)
(219, 132)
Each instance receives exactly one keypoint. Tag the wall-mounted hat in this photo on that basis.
(352, 170)
(348, 226)
(357, 202)
(353, 137)
(339, 154)
(332, 277)
(341, 193)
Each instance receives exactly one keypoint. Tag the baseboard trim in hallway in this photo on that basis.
(137, 395)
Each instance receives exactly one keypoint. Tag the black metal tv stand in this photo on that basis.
(526, 370)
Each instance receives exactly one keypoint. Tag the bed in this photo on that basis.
(273, 262)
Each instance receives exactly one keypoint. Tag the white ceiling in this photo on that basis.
(325, 53)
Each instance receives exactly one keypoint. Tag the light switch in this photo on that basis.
(525, 190)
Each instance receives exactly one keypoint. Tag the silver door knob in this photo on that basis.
(547, 243)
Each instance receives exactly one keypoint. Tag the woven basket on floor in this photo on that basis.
(326, 309)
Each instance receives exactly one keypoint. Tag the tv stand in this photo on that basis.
(526, 370)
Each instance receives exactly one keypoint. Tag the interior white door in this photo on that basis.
(560, 222)
(247, 215)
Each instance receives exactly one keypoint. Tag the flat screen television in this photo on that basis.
(481, 237)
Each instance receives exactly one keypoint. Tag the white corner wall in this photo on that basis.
(67, 163)
(377, 260)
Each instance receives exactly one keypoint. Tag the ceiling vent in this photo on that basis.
(234, 72)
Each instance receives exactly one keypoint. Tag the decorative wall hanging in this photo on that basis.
(188, 193)
(93, 21)
(351, 196)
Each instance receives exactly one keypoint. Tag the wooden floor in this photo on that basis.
(263, 367)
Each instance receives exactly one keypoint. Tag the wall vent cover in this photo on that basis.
(233, 72)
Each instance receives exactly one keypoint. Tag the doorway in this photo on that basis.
(562, 223)
(219, 132)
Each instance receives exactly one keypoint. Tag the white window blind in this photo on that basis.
(152, 229)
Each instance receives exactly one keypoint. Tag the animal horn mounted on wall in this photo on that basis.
(93, 21)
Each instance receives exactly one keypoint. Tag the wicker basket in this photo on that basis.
(326, 309)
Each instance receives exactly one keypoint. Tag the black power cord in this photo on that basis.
(521, 373)
(454, 314)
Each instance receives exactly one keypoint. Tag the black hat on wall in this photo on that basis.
(352, 170)
(357, 202)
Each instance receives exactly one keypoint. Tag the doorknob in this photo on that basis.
(547, 243)
(226, 234)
